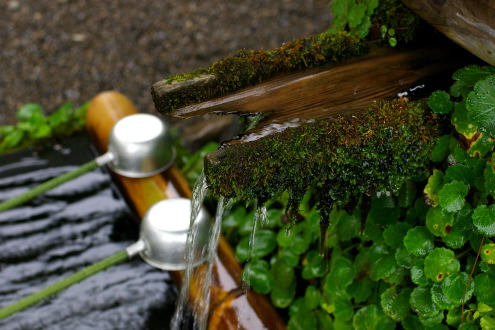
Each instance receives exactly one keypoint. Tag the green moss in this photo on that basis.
(247, 68)
(339, 159)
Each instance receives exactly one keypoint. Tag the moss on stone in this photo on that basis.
(339, 159)
(247, 68)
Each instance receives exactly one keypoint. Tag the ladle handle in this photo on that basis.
(50, 184)
(63, 284)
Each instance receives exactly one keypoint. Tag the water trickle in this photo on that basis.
(180, 320)
(202, 307)
(198, 196)
(259, 219)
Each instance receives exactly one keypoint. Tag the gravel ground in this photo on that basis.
(53, 51)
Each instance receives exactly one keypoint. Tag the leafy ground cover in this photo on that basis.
(34, 127)
(419, 257)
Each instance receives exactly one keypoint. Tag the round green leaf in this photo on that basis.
(394, 234)
(312, 297)
(392, 42)
(454, 286)
(483, 144)
(461, 122)
(457, 238)
(488, 253)
(439, 298)
(435, 183)
(371, 317)
(264, 243)
(418, 241)
(452, 196)
(301, 320)
(323, 320)
(439, 223)
(467, 76)
(418, 274)
(411, 322)
(383, 211)
(29, 110)
(484, 219)
(421, 302)
(290, 257)
(356, 15)
(284, 287)
(340, 276)
(481, 104)
(258, 276)
(403, 257)
(348, 225)
(439, 102)
(314, 265)
(440, 263)
(395, 303)
(383, 262)
(441, 149)
(433, 322)
(484, 288)
(461, 173)
(360, 290)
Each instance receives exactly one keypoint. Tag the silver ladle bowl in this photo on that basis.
(163, 235)
(139, 146)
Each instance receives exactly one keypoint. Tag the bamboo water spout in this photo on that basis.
(228, 300)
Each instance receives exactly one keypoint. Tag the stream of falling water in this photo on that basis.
(259, 219)
(202, 307)
(202, 301)
(179, 321)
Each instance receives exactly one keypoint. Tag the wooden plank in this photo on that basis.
(471, 24)
(293, 99)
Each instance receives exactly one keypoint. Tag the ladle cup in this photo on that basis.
(139, 146)
(163, 235)
(162, 244)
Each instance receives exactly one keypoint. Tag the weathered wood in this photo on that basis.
(471, 24)
(293, 99)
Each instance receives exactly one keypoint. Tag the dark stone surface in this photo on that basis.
(53, 51)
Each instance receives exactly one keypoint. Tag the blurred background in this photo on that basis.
(54, 51)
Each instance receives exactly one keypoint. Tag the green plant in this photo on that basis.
(34, 126)
(389, 20)
(425, 258)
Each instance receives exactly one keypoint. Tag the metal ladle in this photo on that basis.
(162, 244)
(139, 146)
(163, 235)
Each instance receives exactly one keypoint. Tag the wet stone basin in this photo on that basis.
(65, 230)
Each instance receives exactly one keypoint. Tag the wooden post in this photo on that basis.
(231, 307)
(471, 24)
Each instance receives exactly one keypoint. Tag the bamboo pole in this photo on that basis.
(231, 307)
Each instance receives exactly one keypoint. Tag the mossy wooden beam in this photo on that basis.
(319, 131)
(371, 150)
(247, 68)
(297, 97)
